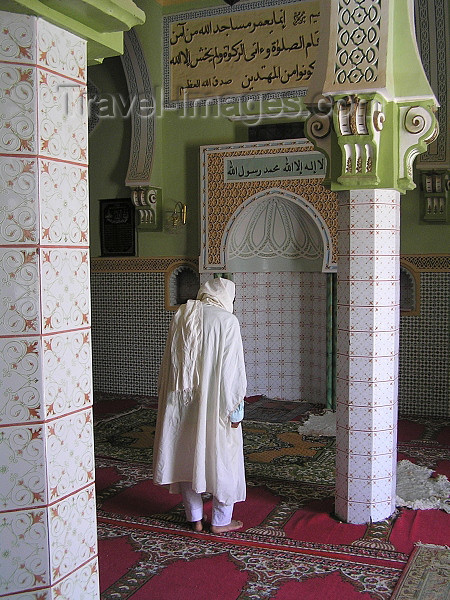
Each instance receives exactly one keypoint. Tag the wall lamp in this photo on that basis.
(177, 218)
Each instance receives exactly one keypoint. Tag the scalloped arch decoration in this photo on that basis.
(280, 227)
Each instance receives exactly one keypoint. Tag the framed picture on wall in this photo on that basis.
(117, 229)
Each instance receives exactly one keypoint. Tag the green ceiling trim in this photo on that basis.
(100, 22)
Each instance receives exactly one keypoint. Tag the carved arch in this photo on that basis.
(327, 264)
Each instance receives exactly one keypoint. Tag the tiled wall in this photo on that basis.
(129, 329)
(283, 324)
(282, 318)
(129, 326)
(424, 379)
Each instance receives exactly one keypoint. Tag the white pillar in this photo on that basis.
(367, 354)
(48, 535)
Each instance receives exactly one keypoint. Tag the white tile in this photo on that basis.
(18, 198)
(23, 472)
(17, 38)
(365, 393)
(67, 372)
(72, 533)
(64, 208)
(25, 566)
(61, 51)
(19, 306)
(62, 121)
(70, 453)
(65, 289)
(82, 584)
(19, 120)
(21, 398)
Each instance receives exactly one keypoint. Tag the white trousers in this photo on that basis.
(193, 506)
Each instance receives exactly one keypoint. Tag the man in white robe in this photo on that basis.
(202, 383)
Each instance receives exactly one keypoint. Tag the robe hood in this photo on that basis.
(219, 292)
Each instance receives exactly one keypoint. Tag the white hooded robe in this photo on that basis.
(194, 440)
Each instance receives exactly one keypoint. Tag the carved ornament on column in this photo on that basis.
(364, 107)
(376, 139)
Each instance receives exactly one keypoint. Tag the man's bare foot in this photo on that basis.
(225, 528)
(197, 526)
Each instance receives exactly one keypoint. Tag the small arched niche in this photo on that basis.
(409, 290)
(182, 284)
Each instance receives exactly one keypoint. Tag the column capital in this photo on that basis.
(377, 140)
(100, 22)
(364, 106)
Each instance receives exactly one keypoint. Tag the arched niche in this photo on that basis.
(277, 230)
(182, 282)
(409, 290)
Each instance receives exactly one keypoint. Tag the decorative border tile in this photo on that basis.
(149, 264)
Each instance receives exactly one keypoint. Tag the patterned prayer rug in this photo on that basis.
(427, 575)
(271, 449)
(291, 546)
(184, 566)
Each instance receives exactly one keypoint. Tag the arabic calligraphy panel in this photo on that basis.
(230, 52)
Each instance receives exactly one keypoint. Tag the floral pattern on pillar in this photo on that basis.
(47, 499)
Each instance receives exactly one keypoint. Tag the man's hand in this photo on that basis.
(234, 425)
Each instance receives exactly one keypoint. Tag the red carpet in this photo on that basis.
(291, 548)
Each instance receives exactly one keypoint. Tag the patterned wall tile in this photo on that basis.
(378, 466)
(67, 370)
(63, 195)
(364, 344)
(61, 51)
(18, 200)
(365, 242)
(70, 454)
(19, 277)
(282, 317)
(65, 289)
(72, 533)
(360, 418)
(24, 534)
(424, 376)
(22, 471)
(120, 318)
(362, 318)
(364, 393)
(377, 294)
(62, 118)
(83, 584)
(129, 330)
(21, 380)
(17, 38)
(18, 123)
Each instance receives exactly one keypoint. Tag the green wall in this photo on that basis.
(176, 156)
